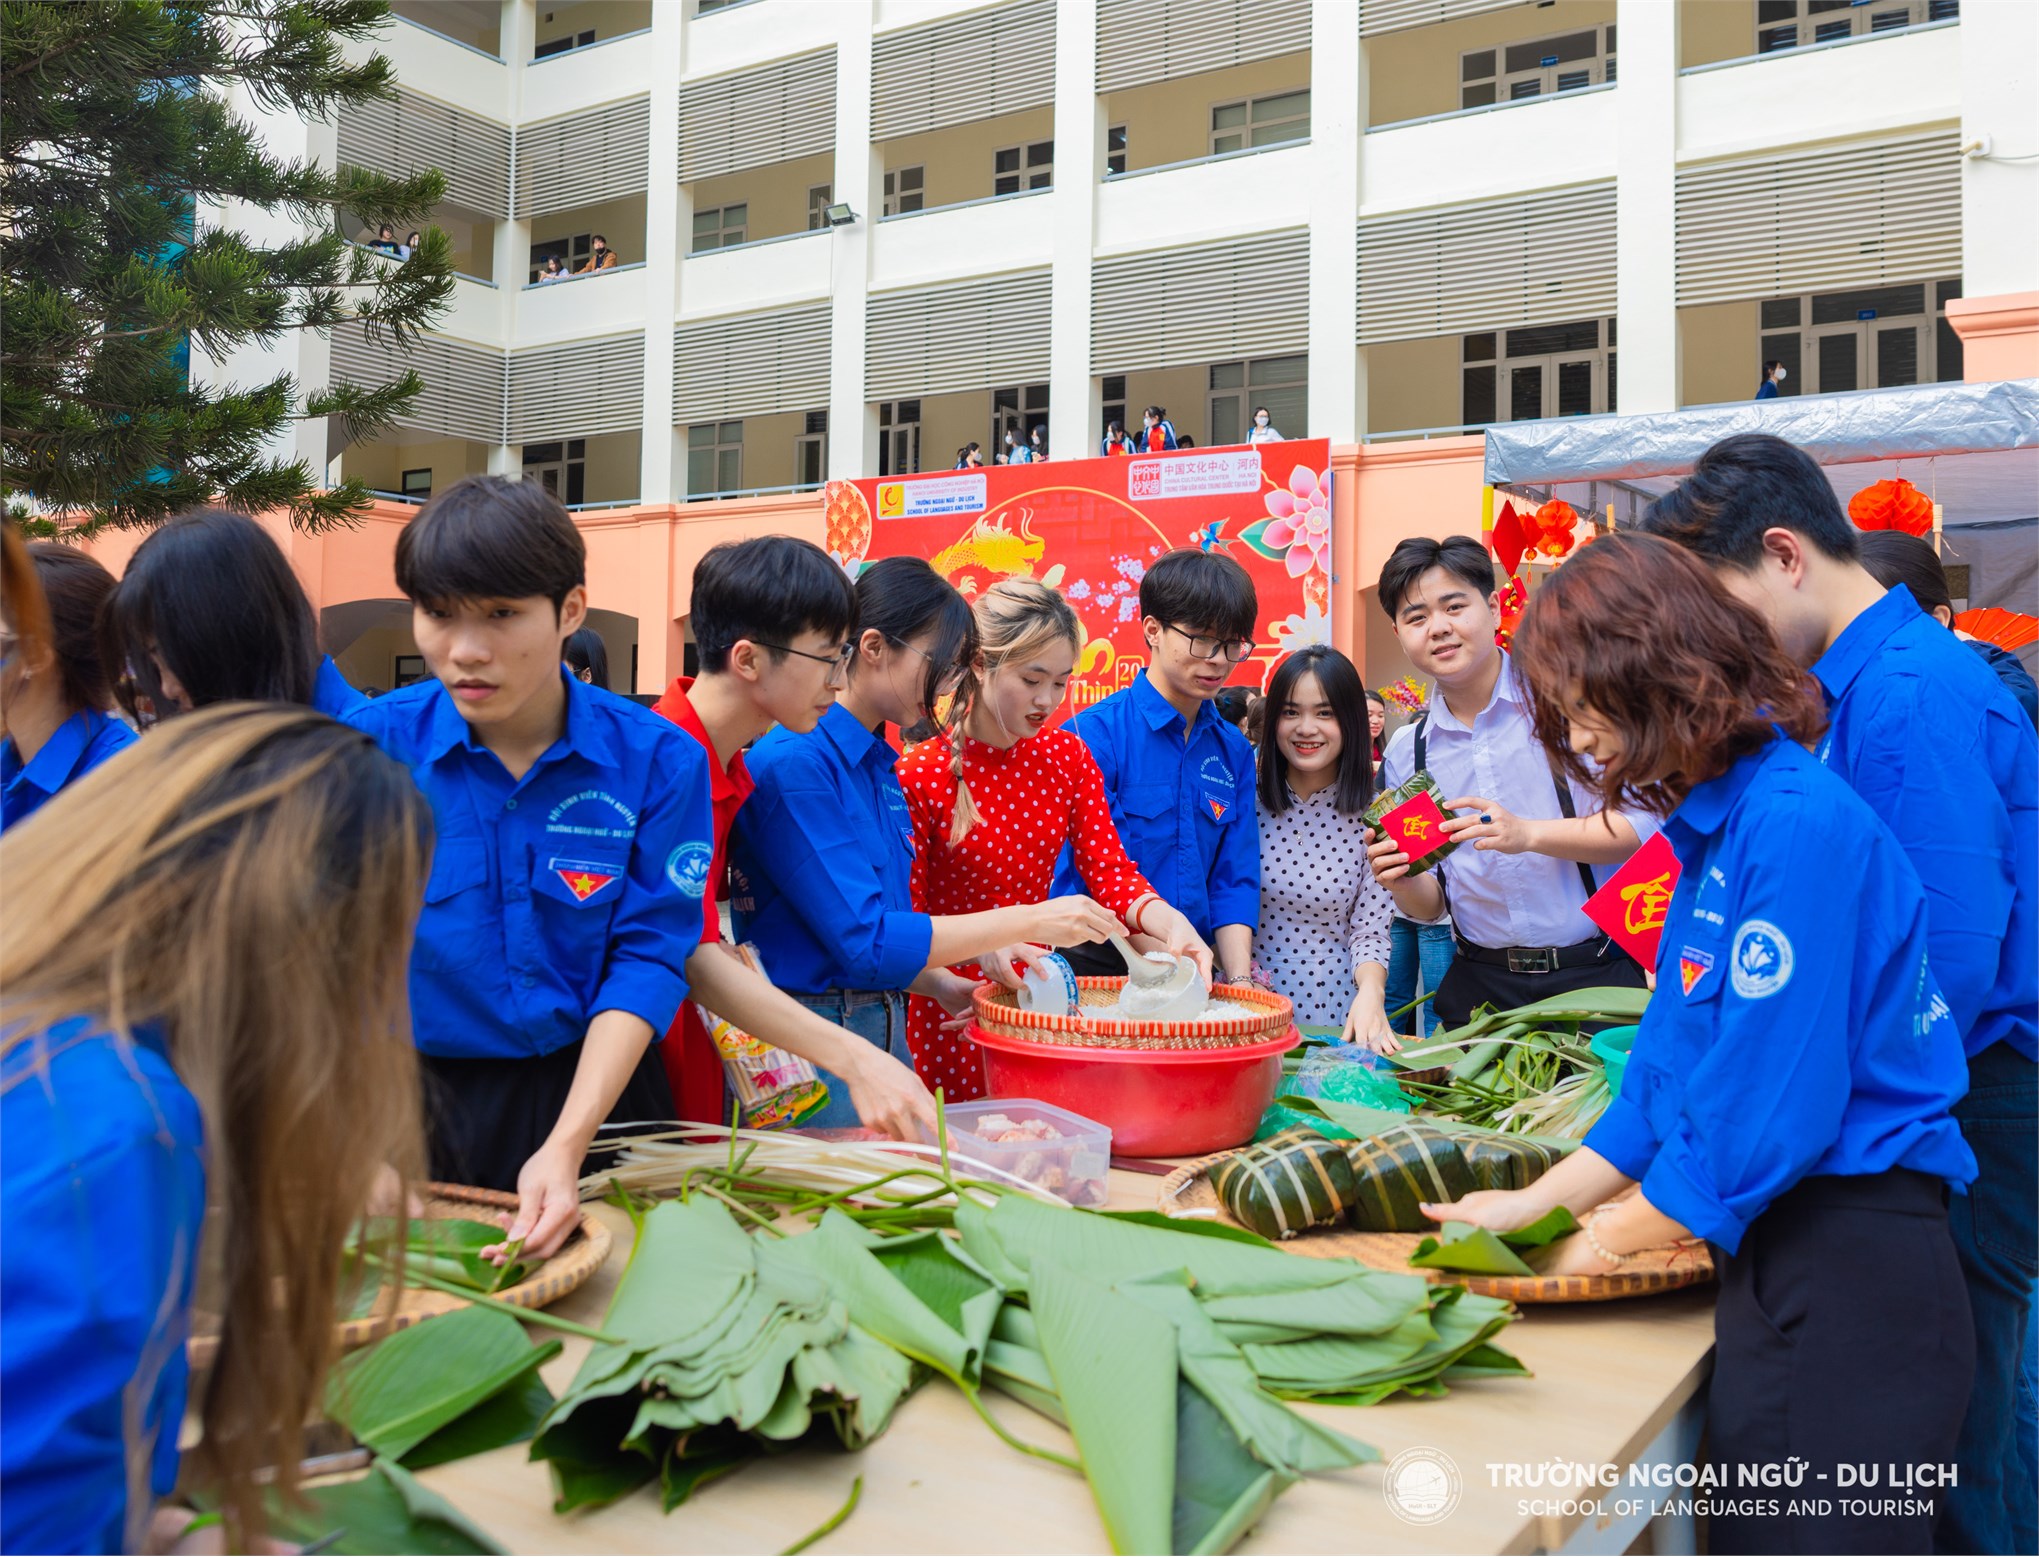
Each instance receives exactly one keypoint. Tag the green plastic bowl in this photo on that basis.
(1612, 1045)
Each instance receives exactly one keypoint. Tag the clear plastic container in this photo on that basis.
(1072, 1162)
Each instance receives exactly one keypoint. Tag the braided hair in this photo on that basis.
(1016, 619)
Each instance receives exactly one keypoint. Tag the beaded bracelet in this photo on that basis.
(1600, 1250)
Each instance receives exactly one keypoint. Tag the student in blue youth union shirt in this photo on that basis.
(54, 694)
(1789, 1096)
(822, 854)
(1180, 778)
(1933, 742)
(209, 611)
(246, 879)
(574, 844)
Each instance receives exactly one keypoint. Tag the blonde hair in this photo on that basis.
(1017, 618)
(245, 880)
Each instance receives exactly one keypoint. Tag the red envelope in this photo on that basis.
(1633, 905)
(1417, 825)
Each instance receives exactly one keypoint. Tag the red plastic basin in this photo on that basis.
(1158, 1102)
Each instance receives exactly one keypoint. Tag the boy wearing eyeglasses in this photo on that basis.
(1180, 778)
(773, 621)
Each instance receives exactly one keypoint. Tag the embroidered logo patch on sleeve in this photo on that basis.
(1761, 962)
(1693, 965)
(687, 868)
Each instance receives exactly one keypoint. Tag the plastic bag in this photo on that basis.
(1341, 1073)
(774, 1090)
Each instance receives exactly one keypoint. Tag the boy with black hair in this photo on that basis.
(570, 861)
(1180, 778)
(773, 620)
(1517, 896)
(1929, 737)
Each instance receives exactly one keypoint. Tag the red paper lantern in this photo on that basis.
(1892, 505)
(1553, 525)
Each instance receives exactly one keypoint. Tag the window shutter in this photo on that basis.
(408, 133)
(939, 340)
(583, 159)
(1379, 16)
(576, 389)
(753, 365)
(1842, 216)
(1542, 259)
(1143, 41)
(978, 66)
(1209, 302)
(753, 118)
(463, 395)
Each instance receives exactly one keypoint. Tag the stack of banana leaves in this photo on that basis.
(1529, 1071)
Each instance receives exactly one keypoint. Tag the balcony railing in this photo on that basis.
(582, 48)
(1801, 50)
(1495, 108)
(592, 275)
(964, 205)
(447, 37)
(1206, 161)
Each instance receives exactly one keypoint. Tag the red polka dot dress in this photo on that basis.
(1031, 799)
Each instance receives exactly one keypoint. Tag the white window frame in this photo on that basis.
(819, 198)
(898, 437)
(1033, 167)
(726, 234)
(723, 438)
(1507, 86)
(1258, 378)
(1807, 375)
(1024, 407)
(813, 442)
(1115, 154)
(1255, 131)
(1600, 357)
(1836, 20)
(900, 200)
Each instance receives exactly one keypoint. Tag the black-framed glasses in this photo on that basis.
(1201, 648)
(952, 678)
(838, 663)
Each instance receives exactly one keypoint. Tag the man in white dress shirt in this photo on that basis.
(1517, 894)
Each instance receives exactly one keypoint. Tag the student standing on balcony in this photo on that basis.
(1157, 432)
(1115, 440)
(1263, 429)
(602, 258)
(823, 855)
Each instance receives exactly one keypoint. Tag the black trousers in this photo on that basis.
(1471, 984)
(484, 1118)
(1842, 1337)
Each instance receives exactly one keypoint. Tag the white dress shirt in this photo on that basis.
(1497, 899)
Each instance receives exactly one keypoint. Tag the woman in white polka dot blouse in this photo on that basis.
(1323, 938)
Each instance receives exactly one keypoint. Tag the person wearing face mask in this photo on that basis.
(1017, 450)
(1773, 375)
(1516, 897)
(602, 257)
(1323, 937)
(822, 859)
(1264, 430)
(994, 806)
(1157, 432)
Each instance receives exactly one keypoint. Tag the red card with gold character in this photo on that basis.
(1417, 825)
(1633, 905)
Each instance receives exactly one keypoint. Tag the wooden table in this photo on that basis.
(1614, 1383)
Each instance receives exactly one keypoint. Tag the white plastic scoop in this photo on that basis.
(1160, 987)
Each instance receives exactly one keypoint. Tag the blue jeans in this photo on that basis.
(878, 1015)
(1418, 948)
(1996, 1233)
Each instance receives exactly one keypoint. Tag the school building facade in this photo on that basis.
(853, 236)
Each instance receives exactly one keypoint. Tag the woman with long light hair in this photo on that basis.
(205, 1069)
(994, 806)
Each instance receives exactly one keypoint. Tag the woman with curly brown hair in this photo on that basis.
(1789, 1093)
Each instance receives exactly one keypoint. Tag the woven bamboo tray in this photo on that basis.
(577, 1260)
(1188, 1188)
(999, 1013)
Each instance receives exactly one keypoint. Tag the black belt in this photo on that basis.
(1539, 959)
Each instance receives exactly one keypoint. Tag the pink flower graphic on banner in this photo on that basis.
(1297, 529)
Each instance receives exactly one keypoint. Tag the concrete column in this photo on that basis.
(1075, 405)
(1338, 91)
(1645, 206)
(513, 238)
(852, 424)
(660, 473)
(1999, 198)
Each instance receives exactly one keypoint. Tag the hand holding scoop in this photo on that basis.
(1160, 987)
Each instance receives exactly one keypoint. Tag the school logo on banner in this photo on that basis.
(583, 881)
(687, 868)
(1693, 965)
(1760, 964)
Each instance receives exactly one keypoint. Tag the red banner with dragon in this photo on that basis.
(1090, 528)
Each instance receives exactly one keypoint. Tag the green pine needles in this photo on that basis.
(142, 217)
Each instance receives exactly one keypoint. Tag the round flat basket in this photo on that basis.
(1267, 1015)
(1188, 1189)
(578, 1259)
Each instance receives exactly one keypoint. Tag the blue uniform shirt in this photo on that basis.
(572, 891)
(1929, 737)
(79, 745)
(333, 695)
(102, 1194)
(1183, 805)
(1796, 1028)
(821, 862)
